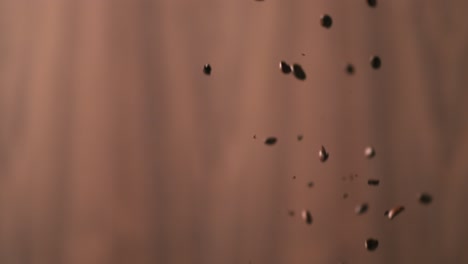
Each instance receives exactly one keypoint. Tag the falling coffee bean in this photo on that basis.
(375, 62)
(425, 198)
(345, 195)
(369, 152)
(392, 213)
(270, 141)
(326, 21)
(323, 154)
(310, 184)
(350, 69)
(306, 216)
(284, 67)
(291, 213)
(372, 3)
(361, 209)
(207, 69)
(371, 244)
(300, 137)
(373, 182)
(254, 136)
(298, 72)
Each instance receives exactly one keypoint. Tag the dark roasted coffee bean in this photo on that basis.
(373, 182)
(350, 69)
(371, 244)
(310, 184)
(270, 141)
(372, 3)
(375, 62)
(207, 69)
(369, 152)
(425, 198)
(284, 67)
(392, 213)
(323, 154)
(306, 216)
(326, 21)
(361, 209)
(299, 72)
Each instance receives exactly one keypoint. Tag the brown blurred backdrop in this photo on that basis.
(116, 148)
